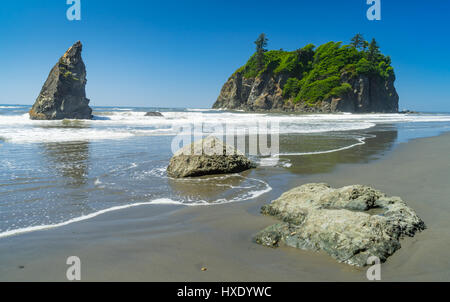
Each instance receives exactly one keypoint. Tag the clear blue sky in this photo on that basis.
(179, 53)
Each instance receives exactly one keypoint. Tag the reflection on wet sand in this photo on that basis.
(76, 124)
(208, 188)
(375, 144)
(68, 160)
(220, 188)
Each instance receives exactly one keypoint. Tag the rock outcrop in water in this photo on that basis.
(151, 113)
(265, 93)
(351, 224)
(63, 95)
(207, 157)
(331, 78)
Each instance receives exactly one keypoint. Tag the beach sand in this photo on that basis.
(173, 243)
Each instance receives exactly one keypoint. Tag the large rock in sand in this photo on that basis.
(207, 157)
(63, 95)
(351, 224)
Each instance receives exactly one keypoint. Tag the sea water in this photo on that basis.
(53, 173)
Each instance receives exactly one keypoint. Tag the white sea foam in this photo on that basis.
(156, 172)
(189, 202)
(201, 110)
(81, 218)
(47, 135)
(361, 141)
(124, 123)
(160, 201)
(123, 109)
(10, 107)
(274, 161)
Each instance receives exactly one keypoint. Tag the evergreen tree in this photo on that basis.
(261, 44)
(365, 46)
(374, 51)
(358, 41)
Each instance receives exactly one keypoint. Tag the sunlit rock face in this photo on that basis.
(63, 95)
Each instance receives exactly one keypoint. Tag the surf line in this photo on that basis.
(161, 201)
(84, 217)
(361, 141)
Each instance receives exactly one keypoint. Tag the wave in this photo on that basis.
(201, 110)
(274, 161)
(10, 107)
(50, 135)
(160, 201)
(123, 109)
(361, 141)
(77, 219)
(122, 124)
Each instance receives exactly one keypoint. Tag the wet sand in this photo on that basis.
(173, 243)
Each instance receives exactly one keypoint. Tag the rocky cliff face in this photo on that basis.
(265, 92)
(63, 94)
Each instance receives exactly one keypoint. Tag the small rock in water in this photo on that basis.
(154, 114)
(207, 157)
(351, 224)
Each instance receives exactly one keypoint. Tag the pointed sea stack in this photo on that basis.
(63, 95)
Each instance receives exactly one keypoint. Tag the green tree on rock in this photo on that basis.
(374, 51)
(261, 44)
(358, 41)
(365, 46)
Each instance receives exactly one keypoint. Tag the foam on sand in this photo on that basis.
(84, 217)
(361, 141)
(160, 201)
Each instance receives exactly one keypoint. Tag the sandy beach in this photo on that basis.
(173, 243)
(190, 142)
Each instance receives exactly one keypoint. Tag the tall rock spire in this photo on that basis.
(63, 94)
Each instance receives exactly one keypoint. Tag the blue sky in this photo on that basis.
(179, 53)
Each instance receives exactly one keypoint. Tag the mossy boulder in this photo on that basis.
(351, 223)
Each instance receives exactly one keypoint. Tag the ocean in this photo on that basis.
(54, 173)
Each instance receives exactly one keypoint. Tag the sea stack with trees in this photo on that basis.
(330, 78)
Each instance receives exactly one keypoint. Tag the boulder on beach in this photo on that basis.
(154, 114)
(63, 95)
(208, 156)
(351, 224)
